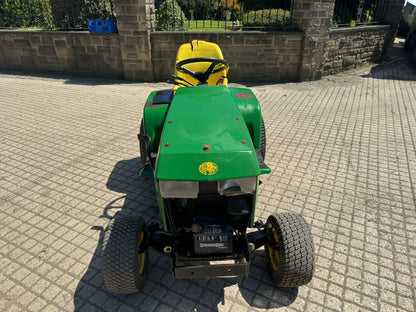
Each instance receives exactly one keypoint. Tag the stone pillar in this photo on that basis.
(314, 18)
(135, 21)
(392, 16)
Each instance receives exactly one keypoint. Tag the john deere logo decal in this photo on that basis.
(208, 168)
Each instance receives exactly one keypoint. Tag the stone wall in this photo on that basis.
(253, 56)
(135, 21)
(314, 18)
(77, 53)
(139, 53)
(353, 46)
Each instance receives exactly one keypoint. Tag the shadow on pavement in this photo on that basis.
(396, 65)
(161, 291)
(68, 79)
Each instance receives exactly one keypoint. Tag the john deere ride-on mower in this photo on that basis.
(204, 144)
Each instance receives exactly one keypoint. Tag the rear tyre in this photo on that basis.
(143, 148)
(289, 250)
(123, 262)
(263, 140)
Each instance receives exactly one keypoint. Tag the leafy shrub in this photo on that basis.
(354, 14)
(26, 13)
(267, 18)
(253, 5)
(199, 9)
(170, 16)
(98, 9)
(53, 14)
(74, 14)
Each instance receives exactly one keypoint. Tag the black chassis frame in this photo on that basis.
(187, 265)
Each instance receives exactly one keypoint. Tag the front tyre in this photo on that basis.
(289, 250)
(123, 261)
(263, 140)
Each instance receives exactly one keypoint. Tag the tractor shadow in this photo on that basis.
(161, 291)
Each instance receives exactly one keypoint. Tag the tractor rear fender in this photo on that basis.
(157, 105)
(158, 102)
(250, 109)
(204, 126)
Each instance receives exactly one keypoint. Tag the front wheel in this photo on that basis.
(123, 259)
(263, 140)
(289, 250)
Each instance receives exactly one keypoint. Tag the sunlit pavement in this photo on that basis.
(342, 151)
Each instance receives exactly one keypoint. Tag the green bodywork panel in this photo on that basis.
(250, 109)
(202, 116)
(161, 206)
(154, 116)
(227, 119)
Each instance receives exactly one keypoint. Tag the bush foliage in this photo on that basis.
(53, 14)
(25, 13)
(170, 16)
(267, 18)
(247, 13)
(350, 14)
(254, 5)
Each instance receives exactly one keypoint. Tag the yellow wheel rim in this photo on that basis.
(142, 256)
(274, 255)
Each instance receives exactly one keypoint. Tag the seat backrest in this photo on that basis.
(198, 48)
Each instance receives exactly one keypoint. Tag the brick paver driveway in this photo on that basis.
(342, 151)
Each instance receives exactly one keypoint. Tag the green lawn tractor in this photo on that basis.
(204, 144)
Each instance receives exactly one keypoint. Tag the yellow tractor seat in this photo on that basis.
(200, 60)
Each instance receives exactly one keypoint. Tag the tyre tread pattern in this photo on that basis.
(263, 140)
(143, 147)
(296, 250)
(119, 261)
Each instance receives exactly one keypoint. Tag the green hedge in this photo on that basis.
(53, 14)
(267, 18)
(25, 13)
(171, 17)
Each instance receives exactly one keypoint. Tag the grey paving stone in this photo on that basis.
(342, 154)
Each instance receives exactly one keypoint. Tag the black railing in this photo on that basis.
(222, 14)
(358, 12)
(53, 14)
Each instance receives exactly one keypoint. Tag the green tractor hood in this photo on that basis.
(205, 138)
